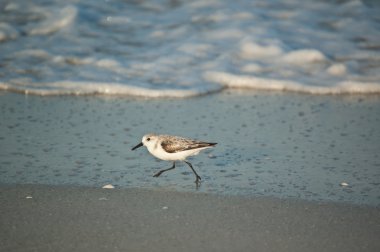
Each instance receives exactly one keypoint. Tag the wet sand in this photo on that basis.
(53, 218)
(269, 144)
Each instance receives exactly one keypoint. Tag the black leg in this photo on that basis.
(162, 171)
(198, 178)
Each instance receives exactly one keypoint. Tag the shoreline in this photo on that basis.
(197, 190)
(61, 218)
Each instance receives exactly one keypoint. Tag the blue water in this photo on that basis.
(188, 48)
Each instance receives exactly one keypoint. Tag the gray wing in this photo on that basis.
(174, 145)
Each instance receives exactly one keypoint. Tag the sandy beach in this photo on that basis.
(47, 218)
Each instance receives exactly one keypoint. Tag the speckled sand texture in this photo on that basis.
(274, 144)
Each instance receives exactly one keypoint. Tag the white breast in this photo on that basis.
(158, 152)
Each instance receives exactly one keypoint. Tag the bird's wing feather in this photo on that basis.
(178, 144)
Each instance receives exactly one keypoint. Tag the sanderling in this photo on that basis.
(173, 148)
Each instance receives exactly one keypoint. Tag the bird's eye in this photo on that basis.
(148, 139)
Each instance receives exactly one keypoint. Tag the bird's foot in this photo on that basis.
(198, 180)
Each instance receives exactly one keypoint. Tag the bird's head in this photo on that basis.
(147, 140)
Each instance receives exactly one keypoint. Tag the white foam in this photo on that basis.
(198, 50)
(252, 68)
(244, 15)
(11, 7)
(7, 32)
(93, 88)
(245, 81)
(252, 50)
(55, 21)
(158, 34)
(107, 63)
(337, 69)
(224, 34)
(303, 56)
(34, 53)
(220, 16)
(164, 49)
(204, 4)
(116, 20)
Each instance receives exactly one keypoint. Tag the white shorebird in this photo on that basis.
(173, 148)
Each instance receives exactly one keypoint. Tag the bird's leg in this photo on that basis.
(198, 178)
(162, 171)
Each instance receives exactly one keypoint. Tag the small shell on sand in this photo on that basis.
(109, 186)
(344, 184)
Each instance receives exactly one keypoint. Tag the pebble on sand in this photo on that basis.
(109, 186)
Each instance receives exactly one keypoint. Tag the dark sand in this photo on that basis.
(39, 218)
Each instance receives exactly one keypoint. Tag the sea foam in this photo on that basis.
(244, 81)
(96, 88)
(182, 49)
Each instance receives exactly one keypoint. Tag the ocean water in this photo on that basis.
(178, 48)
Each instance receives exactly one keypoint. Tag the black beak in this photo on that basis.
(137, 146)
